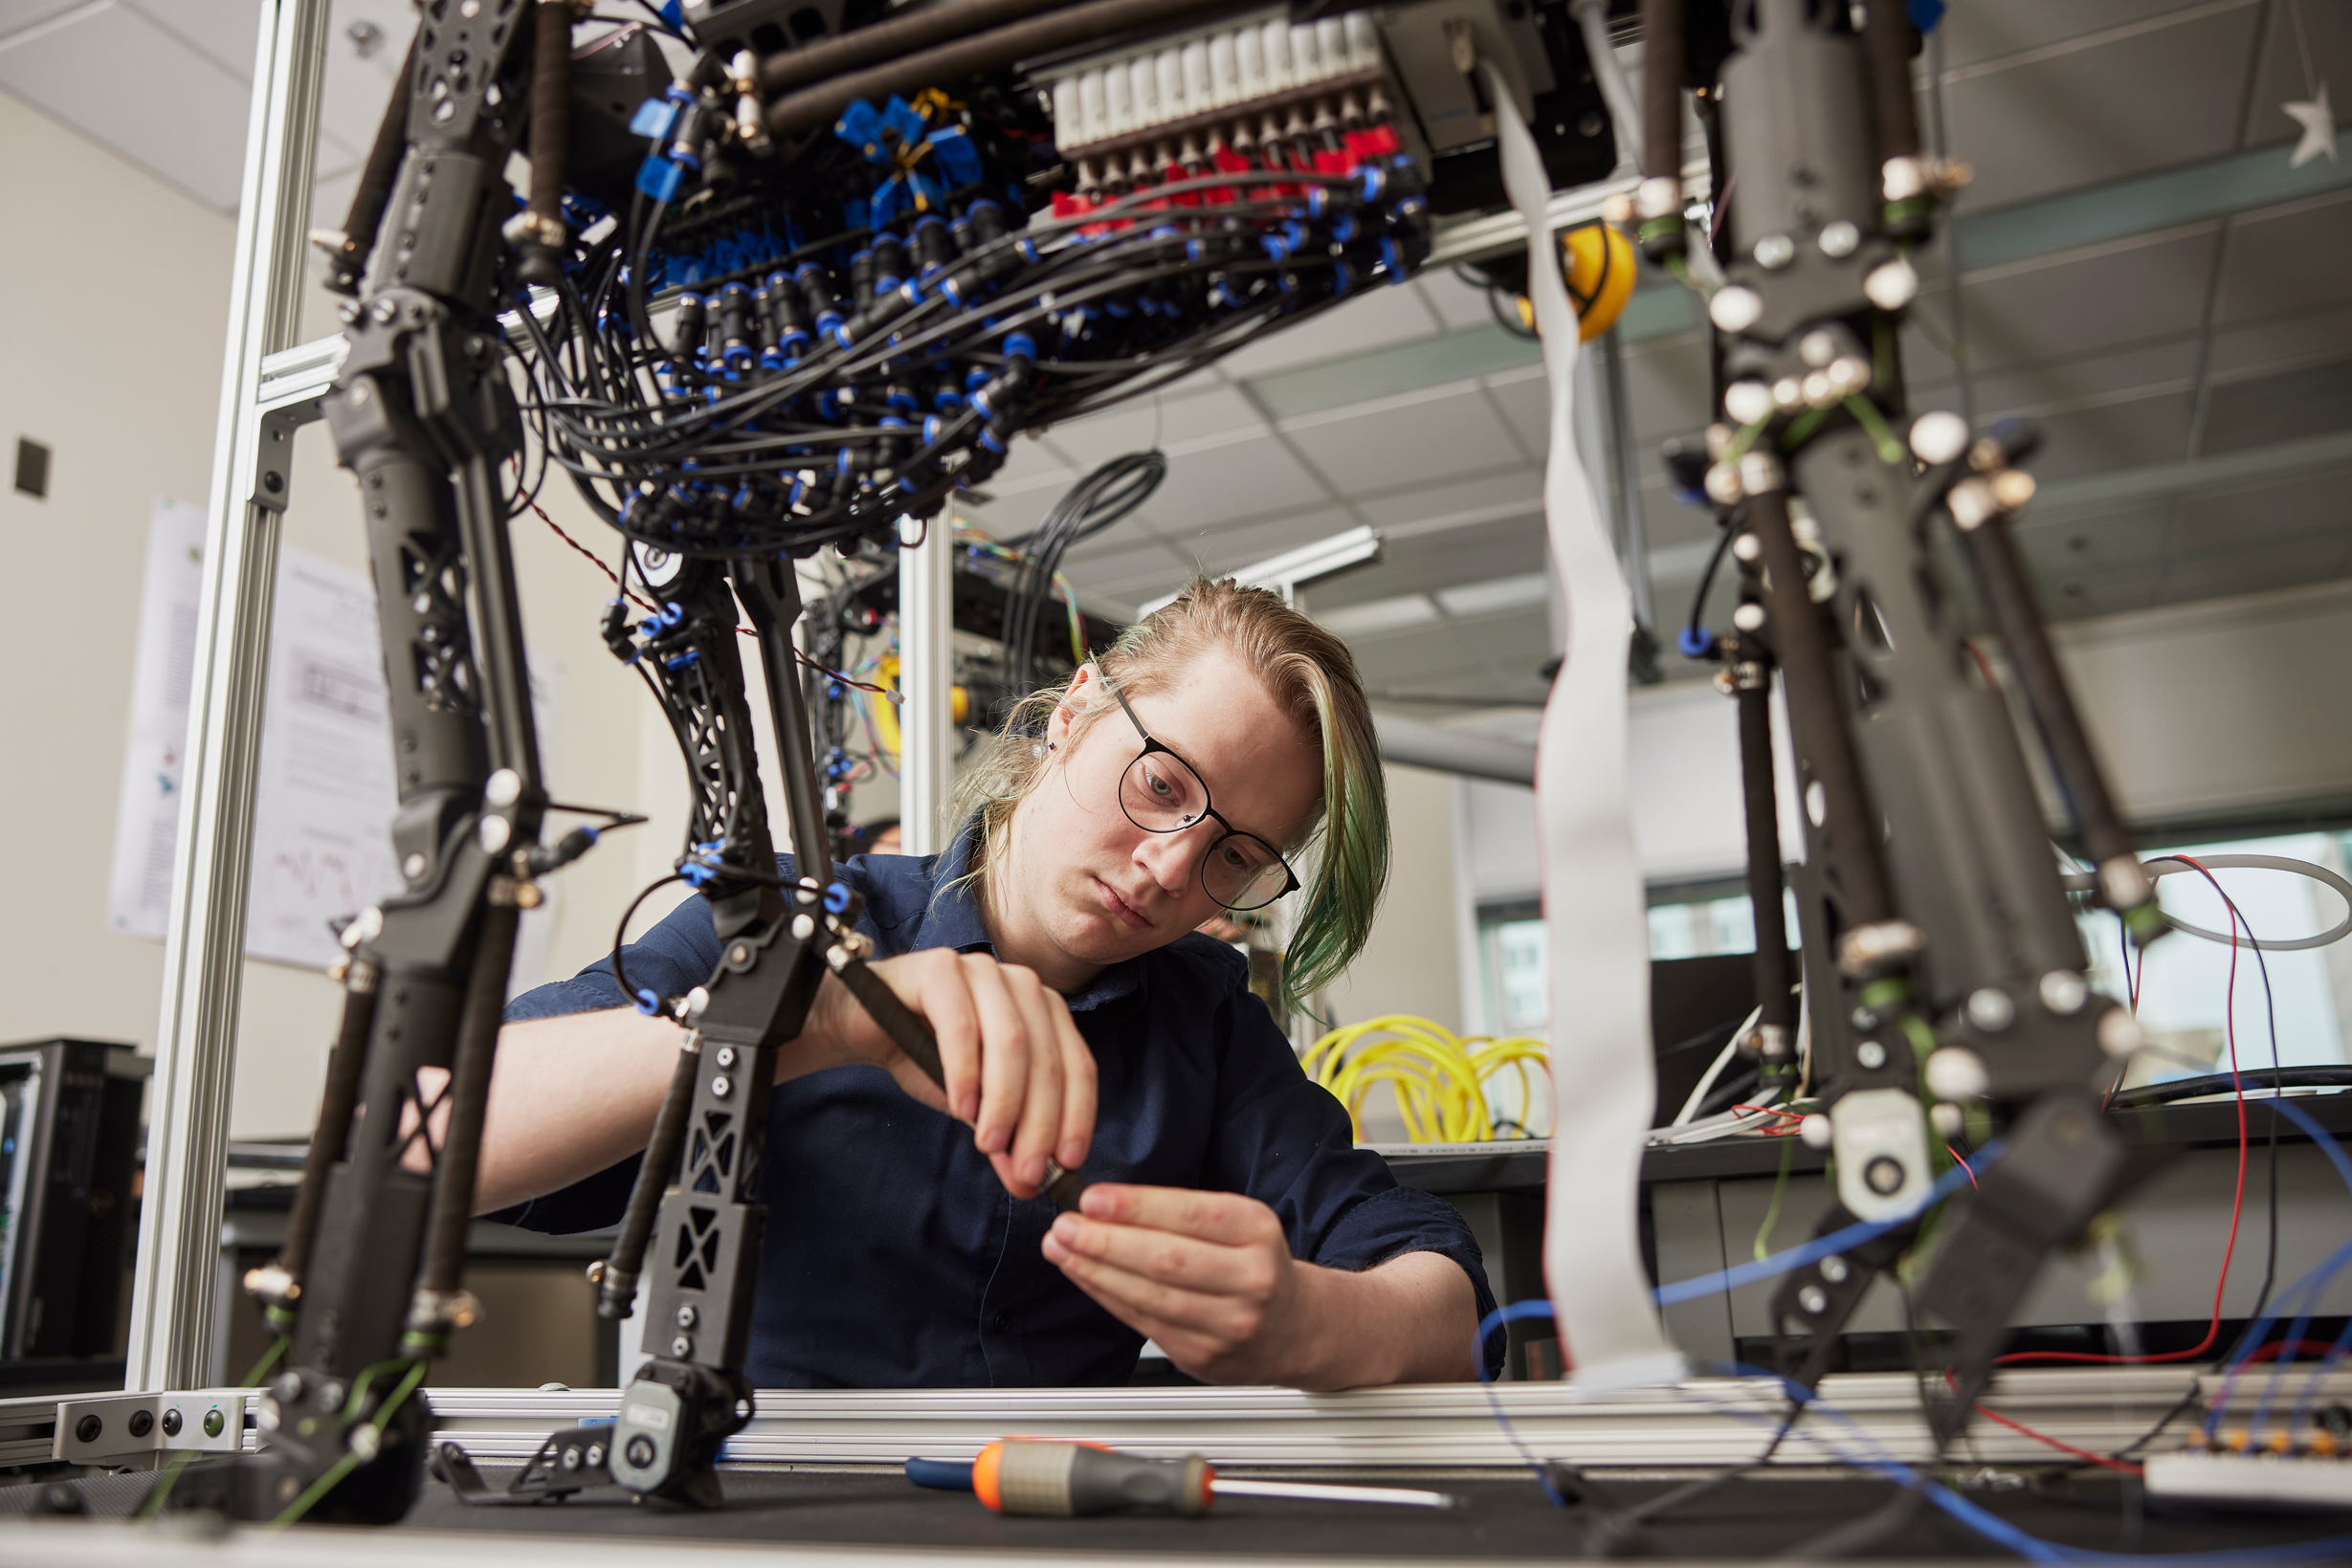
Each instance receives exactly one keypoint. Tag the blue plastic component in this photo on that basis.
(1695, 642)
(656, 118)
(940, 1475)
(673, 13)
(952, 149)
(837, 897)
(648, 1003)
(1925, 14)
(1020, 345)
(659, 178)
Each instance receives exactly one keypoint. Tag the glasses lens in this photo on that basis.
(1161, 795)
(1244, 872)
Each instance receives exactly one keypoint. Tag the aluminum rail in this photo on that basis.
(177, 1261)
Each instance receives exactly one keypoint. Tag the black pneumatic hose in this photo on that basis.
(892, 36)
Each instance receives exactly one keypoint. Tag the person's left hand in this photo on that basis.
(1208, 1276)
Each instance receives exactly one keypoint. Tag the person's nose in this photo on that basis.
(1169, 858)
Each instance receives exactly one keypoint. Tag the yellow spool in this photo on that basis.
(1599, 262)
(886, 712)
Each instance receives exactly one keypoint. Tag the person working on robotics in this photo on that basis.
(1231, 1219)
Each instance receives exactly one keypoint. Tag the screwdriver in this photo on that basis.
(1022, 1476)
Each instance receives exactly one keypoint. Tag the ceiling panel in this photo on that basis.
(1456, 303)
(1377, 316)
(1518, 643)
(127, 83)
(1995, 30)
(2087, 302)
(1403, 441)
(1670, 521)
(1518, 487)
(1524, 399)
(1250, 477)
(2091, 595)
(1666, 387)
(2292, 258)
(2245, 567)
(2262, 411)
(16, 16)
(2295, 340)
(2058, 385)
(2134, 539)
(2058, 118)
(360, 86)
(1426, 563)
(2308, 507)
(1133, 426)
(1432, 658)
(224, 31)
(1230, 549)
(2115, 435)
(2322, 27)
(1122, 566)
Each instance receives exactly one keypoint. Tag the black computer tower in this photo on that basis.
(69, 1145)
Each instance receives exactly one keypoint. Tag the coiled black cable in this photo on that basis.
(1096, 503)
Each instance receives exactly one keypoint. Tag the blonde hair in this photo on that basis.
(1311, 674)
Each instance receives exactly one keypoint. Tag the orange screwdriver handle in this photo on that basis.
(1063, 1479)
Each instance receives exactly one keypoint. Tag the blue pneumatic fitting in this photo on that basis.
(1344, 227)
(1695, 642)
(836, 899)
(656, 118)
(1374, 180)
(932, 424)
(673, 613)
(1389, 259)
(692, 655)
(659, 178)
(1020, 345)
(648, 1003)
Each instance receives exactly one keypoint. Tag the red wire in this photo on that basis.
(2237, 1206)
(1961, 1164)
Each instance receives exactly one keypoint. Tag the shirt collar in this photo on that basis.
(952, 918)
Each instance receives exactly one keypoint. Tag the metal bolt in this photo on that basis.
(687, 1316)
(89, 1429)
(1840, 238)
(1774, 251)
(1871, 1054)
(383, 310)
(1788, 392)
(414, 867)
(640, 1452)
(1990, 1009)
(2063, 992)
(171, 1421)
(571, 1459)
(1814, 1299)
(719, 1086)
(681, 1346)
(1883, 1175)
(212, 1422)
(724, 1058)
(595, 1454)
(739, 954)
(142, 1423)
(1833, 1270)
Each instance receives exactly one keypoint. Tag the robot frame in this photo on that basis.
(869, 303)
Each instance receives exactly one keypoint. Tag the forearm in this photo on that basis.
(1412, 1319)
(570, 1096)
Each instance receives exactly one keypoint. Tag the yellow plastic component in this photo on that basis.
(1439, 1079)
(886, 709)
(1599, 262)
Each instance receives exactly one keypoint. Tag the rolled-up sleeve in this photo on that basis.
(1283, 1140)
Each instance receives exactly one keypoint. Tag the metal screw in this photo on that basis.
(719, 1086)
(1840, 238)
(1871, 1054)
(681, 1345)
(571, 1459)
(383, 310)
(212, 1422)
(1814, 1299)
(1774, 251)
(1833, 1270)
(640, 1452)
(89, 1429)
(171, 1421)
(142, 1421)
(1884, 1174)
(739, 954)
(685, 1317)
(724, 1058)
(595, 1454)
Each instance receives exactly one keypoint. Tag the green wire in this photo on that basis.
(1867, 415)
(1745, 440)
(350, 1461)
(1780, 1190)
(154, 1504)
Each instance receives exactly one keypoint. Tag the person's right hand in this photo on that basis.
(1017, 1070)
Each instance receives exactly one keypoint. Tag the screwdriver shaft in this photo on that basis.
(1404, 1496)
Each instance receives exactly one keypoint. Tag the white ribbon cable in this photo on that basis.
(1594, 906)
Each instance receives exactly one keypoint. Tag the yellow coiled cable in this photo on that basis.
(1439, 1079)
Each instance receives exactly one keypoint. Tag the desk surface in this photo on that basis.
(1503, 1518)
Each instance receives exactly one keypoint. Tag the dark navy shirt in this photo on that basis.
(894, 1257)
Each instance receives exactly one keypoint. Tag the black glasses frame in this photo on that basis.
(1290, 877)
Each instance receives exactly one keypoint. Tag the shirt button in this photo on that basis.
(997, 1323)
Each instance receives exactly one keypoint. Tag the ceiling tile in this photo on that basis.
(1517, 644)
(2085, 379)
(1097, 439)
(1427, 563)
(1382, 617)
(2100, 440)
(2097, 299)
(2084, 598)
(1128, 533)
(1496, 596)
(1520, 489)
(224, 31)
(2297, 340)
(1122, 566)
(1376, 317)
(2059, 121)
(124, 83)
(2309, 506)
(1667, 389)
(1382, 446)
(1992, 29)
(1456, 303)
(358, 89)
(2135, 540)
(1253, 476)
(16, 16)
(2289, 259)
(2253, 568)
(1671, 523)
(1429, 656)
(1524, 403)
(1223, 550)
(2260, 410)
(2284, 75)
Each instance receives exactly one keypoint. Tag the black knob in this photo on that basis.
(171, 1421)
(641, 1452)
(89, 1429)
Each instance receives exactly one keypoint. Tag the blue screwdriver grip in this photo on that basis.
(940, 1475)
